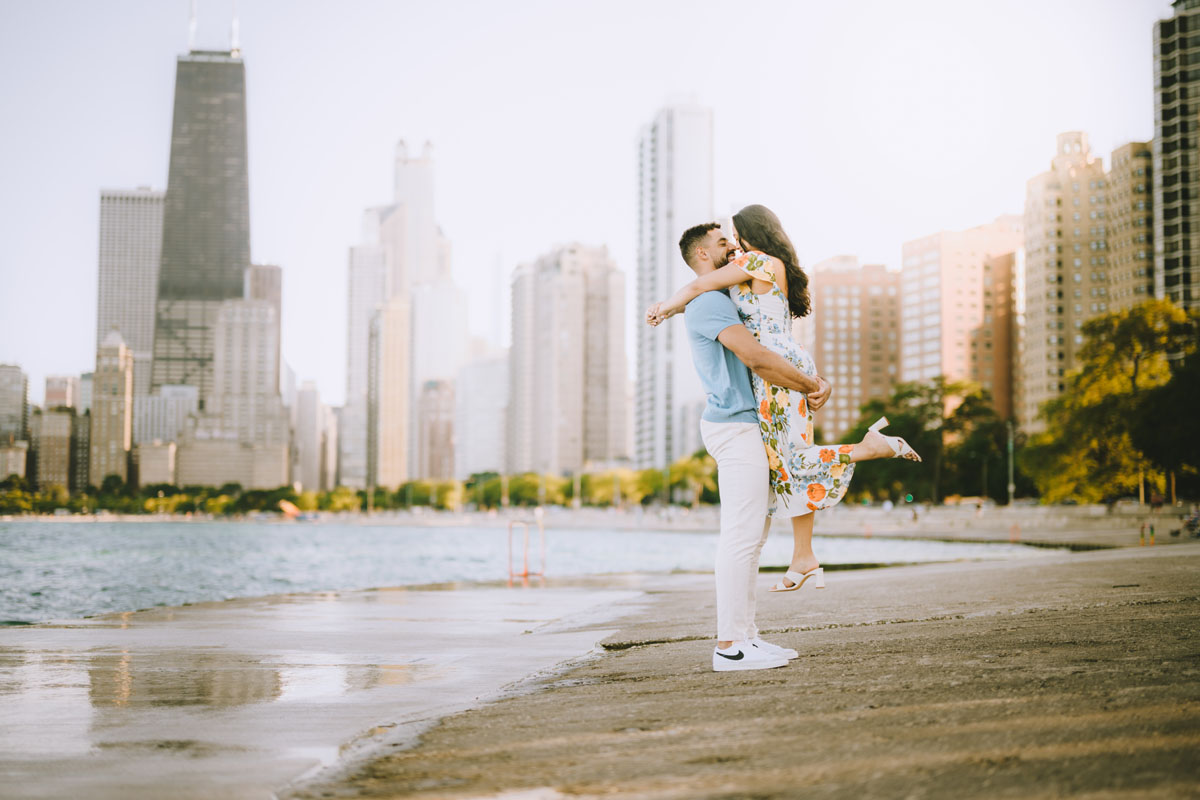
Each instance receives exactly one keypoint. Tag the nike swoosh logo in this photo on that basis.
(738, 657)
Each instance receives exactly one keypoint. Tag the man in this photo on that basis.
(722, 349)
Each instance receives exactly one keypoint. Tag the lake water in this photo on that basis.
(61, 570)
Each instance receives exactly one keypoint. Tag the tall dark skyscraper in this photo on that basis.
(206, 221)
(1176, 156)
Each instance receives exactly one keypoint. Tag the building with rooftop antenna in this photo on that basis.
(206, 216)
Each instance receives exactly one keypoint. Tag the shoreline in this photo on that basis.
(1036, 525)
(1072, 676)
(842, 551)
(637, 622)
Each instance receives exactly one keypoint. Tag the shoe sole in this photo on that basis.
(740, 666)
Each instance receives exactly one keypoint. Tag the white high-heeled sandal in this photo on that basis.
(900, 448)
(798, 579)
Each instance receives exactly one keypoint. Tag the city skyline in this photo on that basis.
(1001, 118)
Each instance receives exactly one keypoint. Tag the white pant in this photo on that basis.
(744, 482)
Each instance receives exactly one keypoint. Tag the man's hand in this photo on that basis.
(768, 365)
(817, 399)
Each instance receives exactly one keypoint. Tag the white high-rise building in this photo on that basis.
(419, 267)
(675, 192)
(481, 415)
(131, 232)
(265, 282)
(412, 236)
(329, 447)
(310, 422)
(242, 434)
(246, 373)
(440, 331)
(567, 375)
(439, 349)
(401, 247)
(366, 292)
(163, 416)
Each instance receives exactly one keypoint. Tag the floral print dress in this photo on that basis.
(804, 477)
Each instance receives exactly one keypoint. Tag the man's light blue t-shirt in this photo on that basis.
(726, 379)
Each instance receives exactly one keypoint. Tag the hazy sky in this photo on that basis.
(862, 124)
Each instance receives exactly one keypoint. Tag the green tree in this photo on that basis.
(447, 495)
(308, 501)
(605, 488)
(1174, 447)
(1087, 452)
(694, 474)
(15, 500)
(342, 498)
(649, 485)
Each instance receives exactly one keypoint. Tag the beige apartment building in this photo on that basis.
(994, 343)
(953, 305)
(62, 390)
(853, 334)
(388, 394)
(435, 430)
(112, 411)
(209, 456)
(13, 458)
(1130, 226)
(156, 462)
(50, 432)
(1066, 270)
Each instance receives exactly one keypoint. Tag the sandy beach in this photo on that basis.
(1077, 676)
(1070, 674)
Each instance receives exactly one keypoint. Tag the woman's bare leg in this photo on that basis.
(803, 557)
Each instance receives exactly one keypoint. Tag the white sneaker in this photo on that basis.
(744, 655)
(772, 649)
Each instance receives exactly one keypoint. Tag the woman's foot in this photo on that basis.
(797, 574)
(876, 445)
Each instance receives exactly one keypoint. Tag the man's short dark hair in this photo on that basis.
(692, 237)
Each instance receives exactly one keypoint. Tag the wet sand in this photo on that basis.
(1073, 676)
(238, 699)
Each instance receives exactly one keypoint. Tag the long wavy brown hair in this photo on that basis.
(757, 226)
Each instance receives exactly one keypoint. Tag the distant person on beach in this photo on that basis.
(766, 290)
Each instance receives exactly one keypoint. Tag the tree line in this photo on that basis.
(1124, 426)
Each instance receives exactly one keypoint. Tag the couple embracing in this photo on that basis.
(762, 388)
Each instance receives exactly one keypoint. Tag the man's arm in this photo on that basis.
(770, 366)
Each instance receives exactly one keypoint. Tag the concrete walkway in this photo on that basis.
(1077, 675)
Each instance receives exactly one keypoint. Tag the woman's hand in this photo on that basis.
(656, 313)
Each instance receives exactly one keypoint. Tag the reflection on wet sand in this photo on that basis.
(180, 679)
(223, 680)
(255, 693)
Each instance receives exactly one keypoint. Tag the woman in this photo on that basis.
(770, 290)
